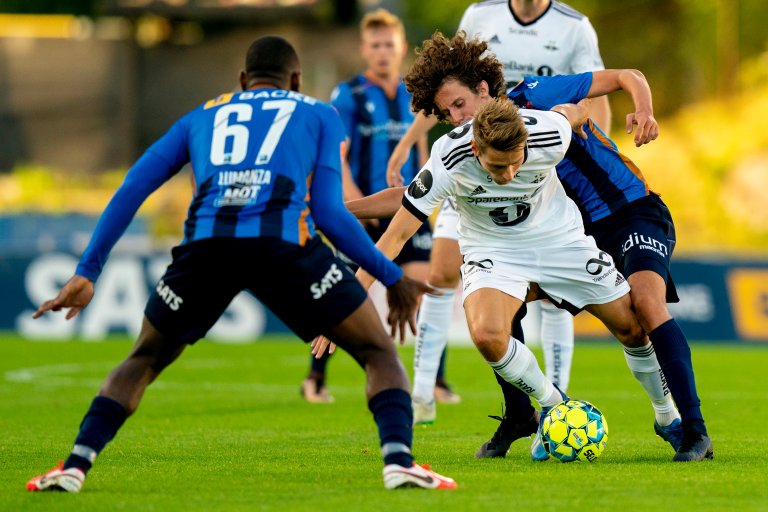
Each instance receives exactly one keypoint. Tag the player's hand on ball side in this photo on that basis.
(75, 295)
(319, 346)
(403, 298)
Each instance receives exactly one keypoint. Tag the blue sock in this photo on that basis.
(99, 426)
(674, 357)
(393, 414)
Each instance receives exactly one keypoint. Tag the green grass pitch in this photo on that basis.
(225, 429)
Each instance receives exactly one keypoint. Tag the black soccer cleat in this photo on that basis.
(508, 432)
(695, 446)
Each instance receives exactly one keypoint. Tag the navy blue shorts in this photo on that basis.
(307, 287)
(639, 236)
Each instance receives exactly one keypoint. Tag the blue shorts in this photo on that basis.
(307, 287)
(639, 236)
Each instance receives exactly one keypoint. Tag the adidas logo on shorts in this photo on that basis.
(619, 279)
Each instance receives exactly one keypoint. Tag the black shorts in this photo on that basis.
(639, 236)
(307, 287)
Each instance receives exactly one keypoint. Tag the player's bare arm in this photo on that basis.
(381, 205)
(635, 83)
(416, 132)
(404, 224)
(600, 112)
(576, 114)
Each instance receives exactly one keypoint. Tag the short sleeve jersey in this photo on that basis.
(530, 211)
(253, 154)
(560, 41)
(374, 123)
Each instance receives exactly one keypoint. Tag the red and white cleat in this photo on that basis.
(58, 479)
(397, 476)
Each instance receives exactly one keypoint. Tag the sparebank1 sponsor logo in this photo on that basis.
(241, 188)
(118, 303)
(333, 276)
(645, 243)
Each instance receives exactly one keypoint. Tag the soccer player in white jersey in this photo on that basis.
(516, 227)
(529, 37)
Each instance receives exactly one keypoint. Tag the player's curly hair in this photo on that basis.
(440, 58)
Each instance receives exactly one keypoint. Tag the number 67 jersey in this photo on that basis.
(530, 211)
(253, 154)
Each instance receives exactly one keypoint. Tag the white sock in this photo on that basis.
(645, 367)
(433, 324)
(557, 343)
(520, 368)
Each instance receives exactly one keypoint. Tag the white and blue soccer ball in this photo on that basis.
(574, 430)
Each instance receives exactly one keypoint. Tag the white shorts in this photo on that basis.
(447, 221)
(574, 275)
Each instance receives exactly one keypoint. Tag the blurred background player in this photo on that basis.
(267, 167)
(376, 110)
(529, 37)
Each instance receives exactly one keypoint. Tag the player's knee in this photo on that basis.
(442, 278)
(651, 311)
(490, 342)
(631, 334)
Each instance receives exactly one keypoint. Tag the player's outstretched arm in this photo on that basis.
(381, 205)
(635, 83)
(75, 295)
(416, 132)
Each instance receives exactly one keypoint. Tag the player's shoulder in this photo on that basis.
(486, 5)
(546, 128)
(455, 146)
(566, 12)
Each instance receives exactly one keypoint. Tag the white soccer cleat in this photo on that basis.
(58, 479)
(424, 413)
(397, 477)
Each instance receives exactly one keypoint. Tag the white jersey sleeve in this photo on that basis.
(433, 183)
(586, 54)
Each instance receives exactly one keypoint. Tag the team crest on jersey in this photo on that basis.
(421, 184)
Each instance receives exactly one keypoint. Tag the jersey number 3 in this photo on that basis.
(229, 144)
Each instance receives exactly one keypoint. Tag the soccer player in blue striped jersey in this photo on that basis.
(376, 111)
(266, 163)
